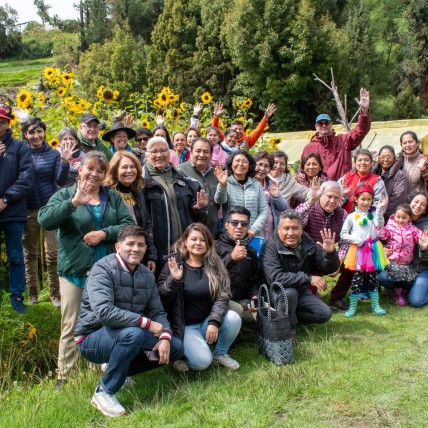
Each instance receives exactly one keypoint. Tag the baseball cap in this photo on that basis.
(86, 118)
(5, 111)
(322, 116)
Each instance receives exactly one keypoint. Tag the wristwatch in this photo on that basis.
(6, 200)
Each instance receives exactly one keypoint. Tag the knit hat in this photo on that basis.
(363, 188)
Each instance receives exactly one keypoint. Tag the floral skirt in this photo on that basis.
(398, 273)
(370, 257)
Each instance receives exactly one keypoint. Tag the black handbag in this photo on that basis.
(273, 327)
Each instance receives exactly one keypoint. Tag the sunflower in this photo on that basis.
(61, 91)
(242, 119)
(157, 103)
(115, 95)
(49, 72)
(183, 107)
(100, 91)
(54, 143)
(166, 90)
(145, 124)
(13, 118)
(163, 99)
(55, 81)
(239, 104)
(24, 99)
(247, 102)
(67, 79)
(108, 96)
(206, 98)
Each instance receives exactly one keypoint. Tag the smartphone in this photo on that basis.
(152, 355)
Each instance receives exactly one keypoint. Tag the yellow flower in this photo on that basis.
(247, 103)
(61, 91)
(242, 119)
(100, 91)
(166, 90)
(54, 143)
(115, 95)
(49, 72)
(157, 103)
(163, 99)
(239, 104)
(248, 131)
(206, 98)
(55, 81)
(14, 118)
(41, 97)
(24, 99)
(183, 106)
(32, 330)
(145, 124)
(108, 96)
(67, 79)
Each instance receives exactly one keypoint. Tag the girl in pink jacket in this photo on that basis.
(401, 236)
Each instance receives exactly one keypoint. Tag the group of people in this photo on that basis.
(153, 247)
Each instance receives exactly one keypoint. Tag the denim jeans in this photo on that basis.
(418, 294)
(196, 350)
(385, 282)
(123, 350)
(13, 231)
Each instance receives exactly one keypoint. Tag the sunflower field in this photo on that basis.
(60, 101)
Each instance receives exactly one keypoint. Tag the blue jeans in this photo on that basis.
(123, 350)
(13, 231)
(384, 282)
(196, 350)
(418, 294)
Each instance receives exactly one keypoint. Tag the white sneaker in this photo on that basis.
(129, 382)
(107, 404)
(104, 367)
(226, 361)
(181, 366)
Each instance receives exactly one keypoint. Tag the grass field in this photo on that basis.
(21, 73)
(369, 371)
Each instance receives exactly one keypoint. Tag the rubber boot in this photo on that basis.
(374, 303)
(399, 298)
(353, 303)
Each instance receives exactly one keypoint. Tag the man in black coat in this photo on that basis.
(290, 257)
(122, 321)
(16, 181)
(240, 259)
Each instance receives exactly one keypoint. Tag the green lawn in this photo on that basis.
(21, 73)
(369, 371)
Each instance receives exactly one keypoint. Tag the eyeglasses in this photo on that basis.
(386, 157)
(85, 125)
(262, 166)
(158, 152)
(236, 223)
(138, 140)
(323, 123)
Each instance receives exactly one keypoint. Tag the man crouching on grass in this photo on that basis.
(122, 321)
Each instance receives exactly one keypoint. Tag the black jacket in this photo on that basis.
(281, 265)
(171, 293)
(158, 206)
(16, 178)
(244, 274)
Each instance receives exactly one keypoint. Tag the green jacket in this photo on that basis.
(100, 146)
(75, 258)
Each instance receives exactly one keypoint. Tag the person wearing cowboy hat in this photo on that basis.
(118, 137)
(16, 182)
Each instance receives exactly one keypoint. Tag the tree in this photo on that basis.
(42, 11)
(10, 38)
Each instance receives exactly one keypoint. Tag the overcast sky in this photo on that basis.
(28, 12)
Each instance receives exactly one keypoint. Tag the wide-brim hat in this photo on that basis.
(119, 126)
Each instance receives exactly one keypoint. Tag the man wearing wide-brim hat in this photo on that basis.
(88, 135)
(118, 136)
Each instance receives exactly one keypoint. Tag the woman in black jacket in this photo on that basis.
(195, 289)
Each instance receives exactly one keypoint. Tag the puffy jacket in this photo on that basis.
(75, 258)
(158, 206)
(335, 150)
(16, 178)
(49, 173)
(250, 196)
(401, 240)
(281, 265)
(116, 298)
(171, 293)
(396, 184)
(244, 274)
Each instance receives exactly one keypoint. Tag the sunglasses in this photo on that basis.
(236, 223)
(138, 140)
(323, 123)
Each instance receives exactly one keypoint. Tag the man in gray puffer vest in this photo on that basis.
(122, 321)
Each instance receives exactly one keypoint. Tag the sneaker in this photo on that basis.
(33, 300)
(129, 382)
(104, 367)
(56, 301)
(339, 304)
(226, 361)
(18, 305)
(107, 404)
(181, 366)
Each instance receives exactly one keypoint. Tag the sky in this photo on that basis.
(28, 12)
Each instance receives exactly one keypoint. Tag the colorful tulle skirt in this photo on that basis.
(370, 257)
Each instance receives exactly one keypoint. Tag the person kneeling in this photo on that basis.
(195, 288)
(121, 320)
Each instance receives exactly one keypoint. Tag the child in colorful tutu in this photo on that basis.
(365, 255)
(401, 236)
